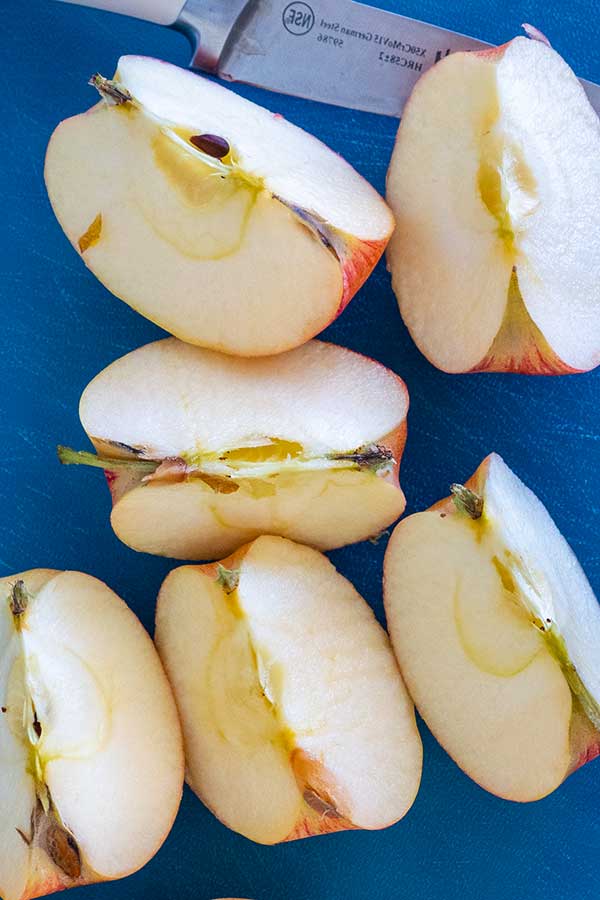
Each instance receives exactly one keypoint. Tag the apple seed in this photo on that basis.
(92, 235)
(316, 802)
(211, 144)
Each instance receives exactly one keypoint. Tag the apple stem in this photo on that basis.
(228, 579)
(111, 91)
(19, 599)
(467, 501)
(373, 457)
(70, 457)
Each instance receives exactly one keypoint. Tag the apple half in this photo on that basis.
(295, 717)
(91, 754)
(204, 451)
(211, 216)
(495, 184)
(497, 632)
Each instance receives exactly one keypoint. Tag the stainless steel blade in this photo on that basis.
(336, 51)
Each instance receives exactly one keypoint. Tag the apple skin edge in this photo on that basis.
(584, 739)
(55, 882)
(525, 359)
(520, 347)
(359, 260)
(354, 256)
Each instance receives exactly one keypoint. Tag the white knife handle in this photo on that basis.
(163, 12)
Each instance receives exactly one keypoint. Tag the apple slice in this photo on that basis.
(91, 757)
(495, 183)
(205, 451)
(296, 721)
(213, 217)
(497, 631)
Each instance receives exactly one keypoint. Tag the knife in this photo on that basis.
(336, 51)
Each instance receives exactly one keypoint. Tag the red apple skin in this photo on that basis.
(527, 360)
(585, 741)
(357, 265)
(54, 882)
(530, 354)
(521, 359)
(51, 881)
(521, 348)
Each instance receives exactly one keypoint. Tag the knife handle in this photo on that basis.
(163, 12)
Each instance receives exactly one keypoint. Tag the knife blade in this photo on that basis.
(340, 52)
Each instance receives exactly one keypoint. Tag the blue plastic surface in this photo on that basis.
(60, 327)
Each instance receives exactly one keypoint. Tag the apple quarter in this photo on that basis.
(495, 185)
(91, 752)
(204, 452)
(218, 220)
(497, 633)
(296, 720)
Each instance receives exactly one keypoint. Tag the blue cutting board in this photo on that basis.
(61, 327)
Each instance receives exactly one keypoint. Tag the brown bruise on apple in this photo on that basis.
(506, 636)
(54, 857)
(91, 235)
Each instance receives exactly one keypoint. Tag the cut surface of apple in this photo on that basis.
(210, 215)
(495, 184)
(91, 756)
(207, 451)
(497, 632)
(296, 720)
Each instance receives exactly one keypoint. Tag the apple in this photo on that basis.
(211, 216)
(497, 631)
(91, 751)
(296, 720)
(495, 184)
(204, 451)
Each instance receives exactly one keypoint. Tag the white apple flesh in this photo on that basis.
(251, 253)
(495, 184)
(91, 756)
(306, 445)
(497, 631)
(296, 720)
